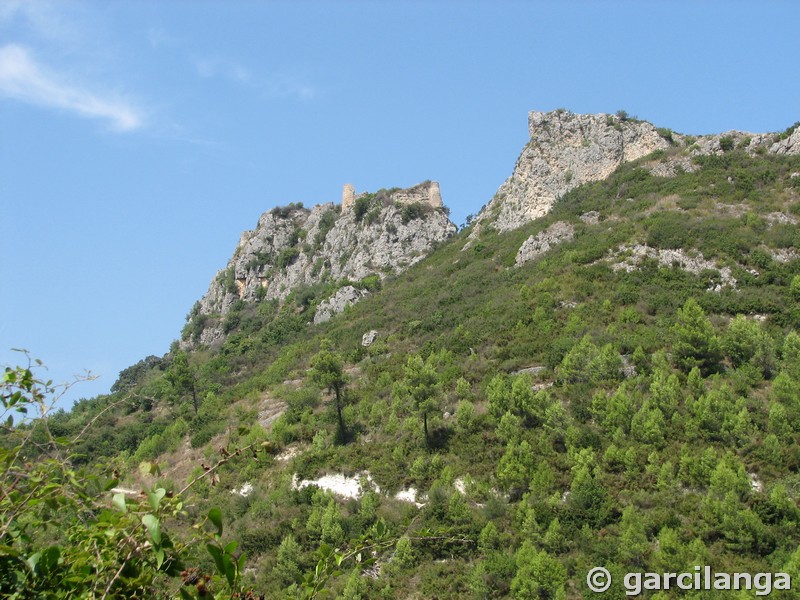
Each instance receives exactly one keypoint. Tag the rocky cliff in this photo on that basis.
(293, 246)
(567, 149)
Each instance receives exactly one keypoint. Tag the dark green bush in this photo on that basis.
(726, 143)
(413, 210)
(286, 257)
(361, 206)
(283, 212)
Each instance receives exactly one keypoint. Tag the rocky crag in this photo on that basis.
(370, 234)
(567, 149)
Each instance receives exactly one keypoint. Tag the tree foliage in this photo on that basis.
(696, 343)
(327, 371)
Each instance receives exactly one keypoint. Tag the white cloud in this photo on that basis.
(45, 19)
(217, 67)
(282, 85)
(23, 79)
(277, 85)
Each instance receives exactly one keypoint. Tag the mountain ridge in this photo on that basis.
(368, 235)
(614, 383)
(567, 149)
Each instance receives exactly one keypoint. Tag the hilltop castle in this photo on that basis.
(426, 192)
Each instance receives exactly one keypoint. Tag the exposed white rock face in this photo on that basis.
(629, 257)
(369, 338)
(565, 151)
(295, 246)
(790, 145)
(243, 491)
(538, 244)
(337, 303)
(341, 485)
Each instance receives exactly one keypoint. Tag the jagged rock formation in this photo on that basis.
(538, 244)
(629, 257)
(567, 149)
(384, 233)
(369, 338)
(343, 298)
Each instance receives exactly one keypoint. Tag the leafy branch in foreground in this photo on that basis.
(69, 532)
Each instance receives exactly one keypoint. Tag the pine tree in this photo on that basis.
(696, 344)
(327, 371)
(183, 378)
(539, 576)
(422, 386)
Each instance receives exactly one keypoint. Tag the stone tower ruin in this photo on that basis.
(348, 196)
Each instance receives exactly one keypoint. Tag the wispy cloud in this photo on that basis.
(276, 85)
(218, 67)
(23, 79)
(45, 19)
(282, 85)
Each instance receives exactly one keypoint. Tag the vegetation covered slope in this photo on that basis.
(629, 399)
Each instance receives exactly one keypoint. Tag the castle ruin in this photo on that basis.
(348, 196)
(426, 192)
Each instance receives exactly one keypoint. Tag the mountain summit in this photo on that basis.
(567, 150)
(368, 235)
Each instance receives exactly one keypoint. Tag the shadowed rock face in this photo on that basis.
(296, 246)
(567, 149)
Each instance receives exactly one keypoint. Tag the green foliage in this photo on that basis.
(794, 286)
(586, 460)
(67, 532)
(421, 386)
(228, 281)
(666, 134)
(183, 378)
(284, 212)
(696, 343)
(135, 374)
(538, 575)
(286, 257)
(361, 206)
(726, 143)
(413, 210)
(668, 230)
(327, 371)
(745, 342)
(326, 223)
(516, 468)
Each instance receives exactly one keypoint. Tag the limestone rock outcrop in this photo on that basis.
(293, 246)
(567, 149)
(538, 244)
(369, 338)
(336, 304)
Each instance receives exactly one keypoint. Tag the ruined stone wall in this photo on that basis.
(426, 192)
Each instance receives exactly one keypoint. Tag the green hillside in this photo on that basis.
(629, 399)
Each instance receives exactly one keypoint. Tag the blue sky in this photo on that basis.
(138, 139)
